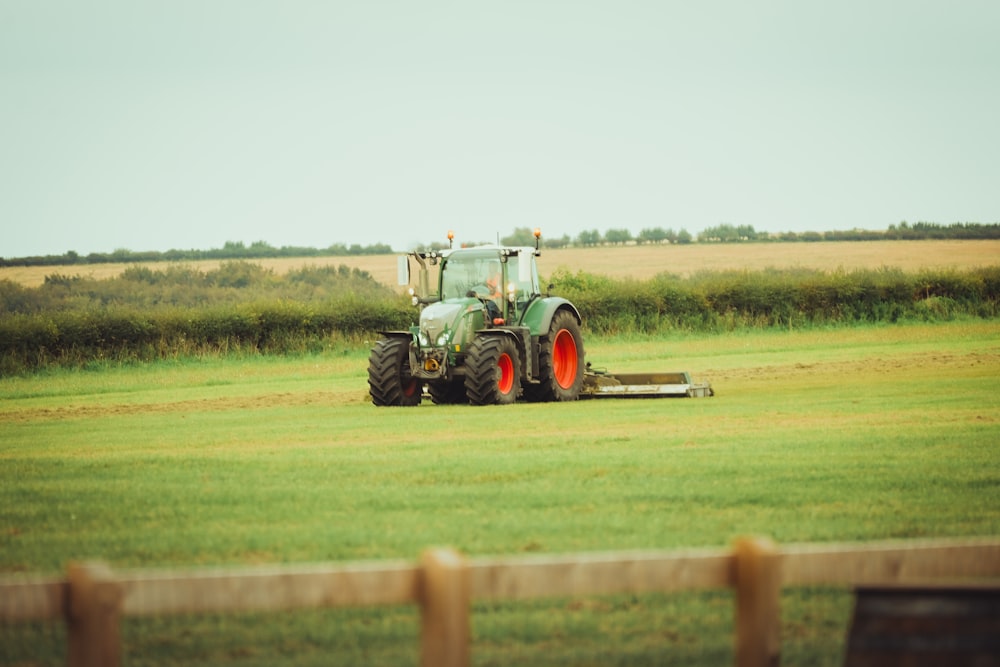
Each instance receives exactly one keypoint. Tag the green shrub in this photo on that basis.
(148, 314)
(723, 300)
(239, 274)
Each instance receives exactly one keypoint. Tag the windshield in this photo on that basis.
(470, 271)
(481, 271)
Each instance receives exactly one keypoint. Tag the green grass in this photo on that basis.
(823, 435)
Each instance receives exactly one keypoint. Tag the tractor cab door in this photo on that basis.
(521, 281)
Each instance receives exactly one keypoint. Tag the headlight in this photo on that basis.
(442, 339)
(422, 339)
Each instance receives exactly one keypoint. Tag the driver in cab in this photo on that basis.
(494, 287)
(493, 280)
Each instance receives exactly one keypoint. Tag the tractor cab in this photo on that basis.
(506, 277)
(502, 279)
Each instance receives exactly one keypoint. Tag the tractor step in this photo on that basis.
(602, 384)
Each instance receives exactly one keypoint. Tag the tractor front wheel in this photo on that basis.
(389, 379)
(560, 361)
(493, 371)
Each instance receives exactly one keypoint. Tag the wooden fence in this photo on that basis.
(91, 599)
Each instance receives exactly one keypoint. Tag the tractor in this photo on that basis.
(488, 336)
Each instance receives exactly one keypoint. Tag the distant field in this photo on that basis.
(642, 261)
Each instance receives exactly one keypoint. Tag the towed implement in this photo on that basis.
(601, 384)
(489, 336)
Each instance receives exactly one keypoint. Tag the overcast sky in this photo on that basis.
(189, 123)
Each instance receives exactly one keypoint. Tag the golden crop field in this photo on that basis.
(639, 262)
(646, 261)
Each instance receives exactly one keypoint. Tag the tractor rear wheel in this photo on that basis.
(492, 371)
(560, 361)
(389, 379)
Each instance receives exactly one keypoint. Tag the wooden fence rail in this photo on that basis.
(92, 599)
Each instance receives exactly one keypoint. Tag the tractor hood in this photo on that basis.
(437, 318)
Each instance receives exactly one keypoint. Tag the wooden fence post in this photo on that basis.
(94, 611)
(445, 597)
(758, 613)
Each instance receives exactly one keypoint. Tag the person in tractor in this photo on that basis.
(495, 289)
(493, 281)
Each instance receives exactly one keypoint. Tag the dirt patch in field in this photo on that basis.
(221, 404)
(857, 371)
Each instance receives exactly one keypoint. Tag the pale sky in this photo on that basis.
(189, 123)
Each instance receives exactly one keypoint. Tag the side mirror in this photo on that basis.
(403, 270)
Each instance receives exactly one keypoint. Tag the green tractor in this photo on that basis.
(488, 336)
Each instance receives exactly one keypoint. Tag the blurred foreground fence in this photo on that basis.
(92, 599)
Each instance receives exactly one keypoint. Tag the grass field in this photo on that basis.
(836, 434)
(822, 435)
(641, 262)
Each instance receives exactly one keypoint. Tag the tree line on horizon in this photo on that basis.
(524, 236)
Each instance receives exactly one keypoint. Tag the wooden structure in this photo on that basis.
(92, 599)
(925, 625)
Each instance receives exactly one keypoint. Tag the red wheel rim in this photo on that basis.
(506, 380)
(564, 359)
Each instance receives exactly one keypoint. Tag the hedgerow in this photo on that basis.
(725, 300)
(147, 315)
(33, 341)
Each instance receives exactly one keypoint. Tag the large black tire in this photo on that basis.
(447, 393)
(389, 379)
(492, 371)
(560, 361)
